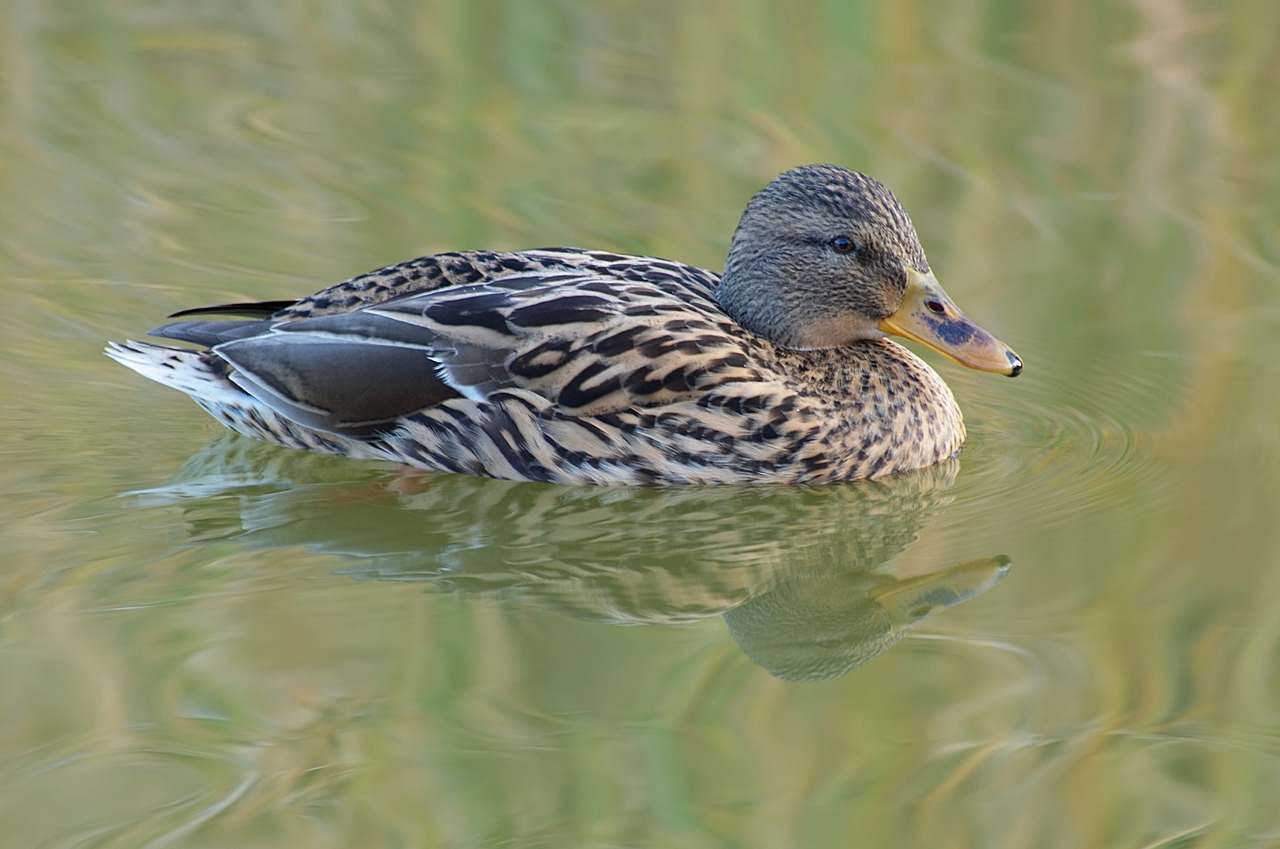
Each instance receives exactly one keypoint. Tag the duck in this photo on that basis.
(576, 366)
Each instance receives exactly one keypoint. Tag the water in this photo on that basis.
(1069, 637)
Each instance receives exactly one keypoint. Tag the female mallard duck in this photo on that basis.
(575, 366)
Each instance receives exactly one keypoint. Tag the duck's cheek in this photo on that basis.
(838, 330)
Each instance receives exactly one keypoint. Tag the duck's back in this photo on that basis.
(477, 268)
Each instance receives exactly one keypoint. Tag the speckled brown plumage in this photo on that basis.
(574, 366)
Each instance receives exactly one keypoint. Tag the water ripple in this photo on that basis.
(1062, 450)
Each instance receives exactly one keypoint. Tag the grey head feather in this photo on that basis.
(783, 277)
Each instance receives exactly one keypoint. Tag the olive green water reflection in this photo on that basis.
(210, 643)
(804, 582)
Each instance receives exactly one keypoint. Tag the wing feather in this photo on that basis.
(590, 333)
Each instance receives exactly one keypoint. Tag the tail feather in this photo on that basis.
(252, 309)
(210, 333)
(183, 369)
(205, 379)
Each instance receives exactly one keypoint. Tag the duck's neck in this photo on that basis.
(755, 302)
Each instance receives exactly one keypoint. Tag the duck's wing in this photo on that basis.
(469, 268)
(588, 342)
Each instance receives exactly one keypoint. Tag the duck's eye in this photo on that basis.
(842, 245)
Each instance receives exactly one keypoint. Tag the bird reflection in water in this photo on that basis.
(808, 580)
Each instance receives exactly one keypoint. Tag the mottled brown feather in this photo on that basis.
(574, 366)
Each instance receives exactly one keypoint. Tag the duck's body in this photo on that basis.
(573, 366)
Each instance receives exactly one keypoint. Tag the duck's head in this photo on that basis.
(825, 257)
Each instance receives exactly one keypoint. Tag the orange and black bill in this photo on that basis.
(930, 317)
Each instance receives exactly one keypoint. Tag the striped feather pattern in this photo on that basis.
(561, 365)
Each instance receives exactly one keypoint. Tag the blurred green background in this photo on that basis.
(211, 643)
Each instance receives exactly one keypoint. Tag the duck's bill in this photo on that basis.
(930, 317)
(914, 599)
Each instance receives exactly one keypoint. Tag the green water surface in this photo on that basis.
(1070, 637)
